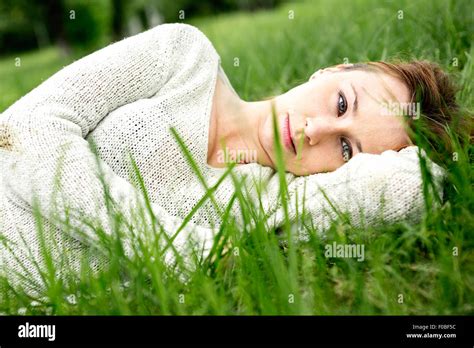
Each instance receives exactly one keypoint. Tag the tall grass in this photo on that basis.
(254, 270)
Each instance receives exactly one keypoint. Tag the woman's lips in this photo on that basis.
(287, 138)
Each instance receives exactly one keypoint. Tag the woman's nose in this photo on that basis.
(318, 128)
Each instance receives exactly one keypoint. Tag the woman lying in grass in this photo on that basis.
(124, 99)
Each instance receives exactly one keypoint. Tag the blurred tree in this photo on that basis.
(118, 19)
(87, 24)
(22, 25)
(26, 24)
(54, 15)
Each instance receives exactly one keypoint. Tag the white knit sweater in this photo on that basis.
(125, 97)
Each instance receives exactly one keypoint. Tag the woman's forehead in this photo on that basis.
(377, 86)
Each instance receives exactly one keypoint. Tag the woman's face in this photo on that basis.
(334, 116)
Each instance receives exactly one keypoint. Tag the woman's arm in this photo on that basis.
(49, 126)
(369, 189)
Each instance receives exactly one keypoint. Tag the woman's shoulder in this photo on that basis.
(182, 31)
(184, 41)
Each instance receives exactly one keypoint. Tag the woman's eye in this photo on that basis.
(341, 105)
(346, 150)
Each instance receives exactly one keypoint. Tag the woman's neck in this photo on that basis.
(233, 127)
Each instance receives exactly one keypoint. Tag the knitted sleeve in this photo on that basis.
(48, 128)
(368, 190)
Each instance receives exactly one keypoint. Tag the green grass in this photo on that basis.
(260, 273)
(22, 72)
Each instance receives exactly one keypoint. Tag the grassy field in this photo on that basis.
(425, 268)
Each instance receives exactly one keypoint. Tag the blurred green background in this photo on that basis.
(26, 24)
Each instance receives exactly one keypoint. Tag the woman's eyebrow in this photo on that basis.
(356, 102)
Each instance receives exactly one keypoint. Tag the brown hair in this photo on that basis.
(435, 92)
